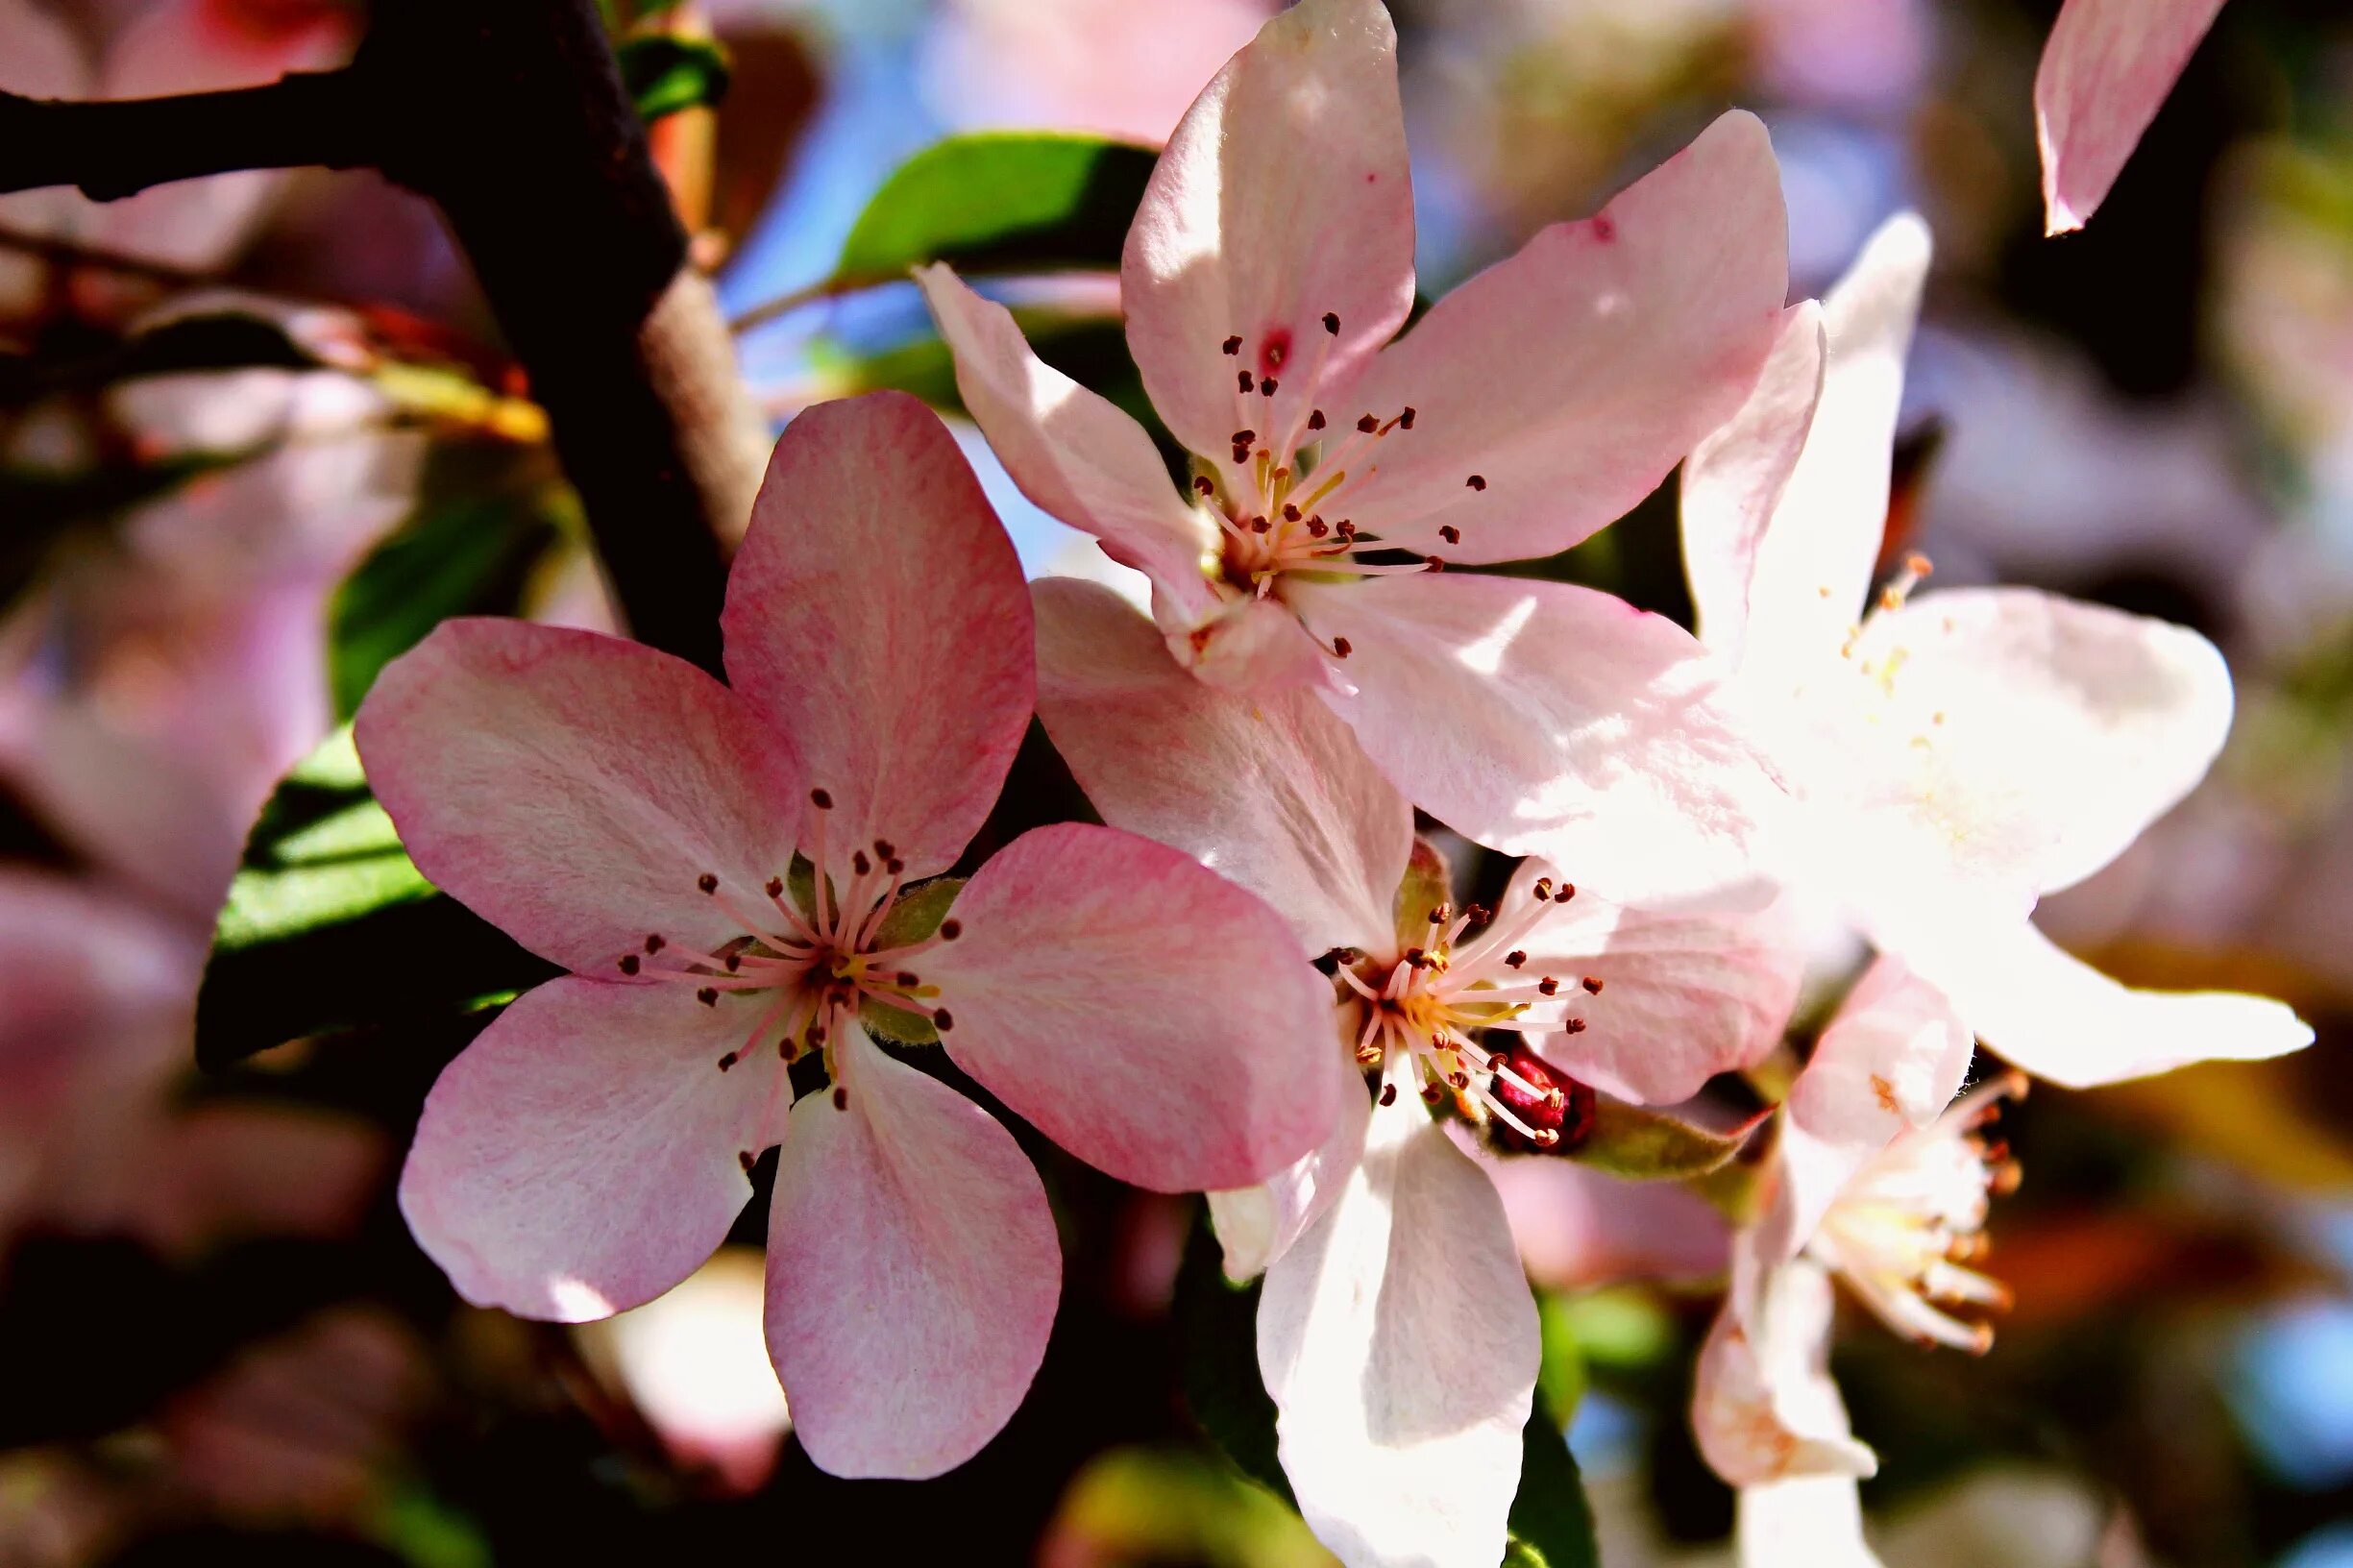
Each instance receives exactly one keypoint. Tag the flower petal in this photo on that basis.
(1071, 450)
(1399, 1343)
(1734, 479)
(1256, 1225)
(1283, 199)
(913, 1272)
(877, 616)
(1271, 791)
(569, 788)
(1572, 376)
(1669, 997)
(1763, 1406)
(1892, 1059)
(2105, 72)
(1540, 717)
(2062, 1021)
(1249, 646)
(1147, 1015)
(585, 1153)
(1812, 1522)
(2081, 724)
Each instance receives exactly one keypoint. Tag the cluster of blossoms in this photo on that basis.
(1256, 982)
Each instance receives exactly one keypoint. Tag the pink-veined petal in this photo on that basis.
(1669, 997)
(1150, 1016)
(585, 1153)
(2083, 723)
(2105, 72)
(1540, 717)
(877, 616)
(1763, 1406)
(1811, 1522)
(1734, 478)
(1071, 450)
(1281, 201)
(1892, 1059)
(1271, 791)
(913, 1272)
(1813, 561)
(1399, 1343)
(1256, 1225)
(1248, 645)
(2061, 1019)
(571, 788)
(1570, 377)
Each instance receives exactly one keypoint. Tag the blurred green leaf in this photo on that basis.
(1643, 1144)
(1551, 1524)
(329, 924)
(1001, 200)
(666, 74)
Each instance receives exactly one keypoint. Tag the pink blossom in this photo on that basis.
(2105, 73)
(633, 819)
(1335, 471)
(1956, 754)
(1396, 1331)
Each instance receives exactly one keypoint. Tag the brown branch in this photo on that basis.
(118, 147)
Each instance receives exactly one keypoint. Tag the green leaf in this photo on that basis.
(1001, 200)
(329, 924)
(1644, 1145)
(1217, 1323)
(1426, 884)
(1551, 1524)
(465, 556)
(666, 74)
(918, 911)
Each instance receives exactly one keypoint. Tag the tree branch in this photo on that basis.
(112, 148)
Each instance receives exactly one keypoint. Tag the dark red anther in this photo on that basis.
(907, 977)
(1415, 958)
(1203, 484)
(950, 930)
(1259, 525)
(735, 962)
(821, 799)
(1572, 1026)
(859, 863)
(1368, 424)
(1318, 528)
(1405, 419)
(628, 963)
(894, 866)
(1389, 1094)
(1450, 533)
(654, 943)
(1243, 438)
(1432, 1094)
(727, 1061)
(1479, 914)
(1513, 959)
(1315, 419)
(708, 995)
(1593, 986)
(943, 1020)
(1345, 530)
(885, 850)
(775, 887)
(1342, 647)
(1241, 378)
(1267, 386)
(1440, 914)
(1435, 563)
(1233, 344)
(1549, 986)
(1559, 1106)
(1331, 323)
(1290, 513)
(708, 882)
(1568, 890)
(1543, 889)
(840, 1098)
(746, 1159)
(1477, 481)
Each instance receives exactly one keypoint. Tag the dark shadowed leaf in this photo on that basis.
(666, 74)
(1217, 1323)
(1551, 1524)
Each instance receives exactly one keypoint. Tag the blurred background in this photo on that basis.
(257, 432)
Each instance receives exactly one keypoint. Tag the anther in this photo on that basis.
(1593, 986)
(1345, 530)
(950, 930)
(1267, 386)
(859, 863)
(654, 943)
(1572, 1026)
(1405, 420)
(1568, 890)
(1259, 525)
(1543, 890)
(1290, 512)
(943, 1020)
(708, 995)
(1435, 563)
(1233, 344)
(1477, 481)
(1440, 915)
(1432, 1094)
(1315, 419)
(1318, 528)
(885, 851)
(907, 977)
(628, 963)
(840, 1098)
(744, 1158)
(1331, 323)
(1203, 484)
(1342, 647)
(1241, 378)
(735, 962)
(727, 1061)
(1458, 1079)
(1243, 438)
(894, 866)
(1549, 986)
(775, 887)
(708, 882)
(1415, 958)
(821, 799)
(1389, 1094)
(1450, 533)
(1513, 959)
(1368, 424)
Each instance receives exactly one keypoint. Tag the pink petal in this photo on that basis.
(1271, 791)
(1253, 645)
(2105, 72)
(1892, 1059)
(1669, 998)
(1283, 198)
(1256, 1225)
(571, 787)
(2063, 1021)
(1399, 1343)
(1763, 1406)
(585, 1153)
(1070, 450)
(1572, 376)
(913, 1272)
(1734, 479)
(1540, 717)
(877, 614)
(1148, 1015)
(2074, 725)
(1577, 1228)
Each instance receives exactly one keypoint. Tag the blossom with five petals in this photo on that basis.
(724, 868)
(2105, 72)
(1396, 1331)
(1957, 755)
(1268, 267)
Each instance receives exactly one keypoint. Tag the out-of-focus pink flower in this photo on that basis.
(1268, 267)
(1081, 64)
(2105, 73)
(1957, 755)
(630, 817)
(1396, 1332)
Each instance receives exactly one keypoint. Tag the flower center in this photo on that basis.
(1425, 1014)
(823, 957)
(1903, 1228)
